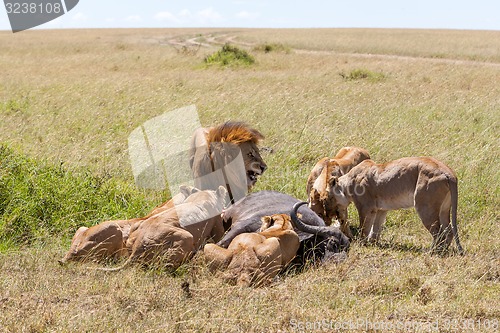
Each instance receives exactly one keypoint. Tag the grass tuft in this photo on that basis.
(273, 47)
(362, 74)
(15, 105)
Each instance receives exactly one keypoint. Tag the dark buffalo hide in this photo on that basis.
(245, 216)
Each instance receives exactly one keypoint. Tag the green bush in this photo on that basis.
(230, 55)
(39, 200)
(362, 74)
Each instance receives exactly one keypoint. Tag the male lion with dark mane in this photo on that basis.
(215, 160)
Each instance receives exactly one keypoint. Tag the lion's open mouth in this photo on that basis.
(252, 177)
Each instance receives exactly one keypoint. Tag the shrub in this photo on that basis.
(272, 47)
(360, 74)
(230, 55)
(39, 200)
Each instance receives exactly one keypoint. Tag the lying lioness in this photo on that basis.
(107, 239)
(103, 241)
(255, 258)
(421, 182)
(319, 182)
(165, 239)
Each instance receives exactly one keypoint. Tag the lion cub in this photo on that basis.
(319, 182)
(256, 258)
(421, 182)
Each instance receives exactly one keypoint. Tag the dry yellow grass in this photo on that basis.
(74, 96)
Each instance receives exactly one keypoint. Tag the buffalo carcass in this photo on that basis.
(317, 243)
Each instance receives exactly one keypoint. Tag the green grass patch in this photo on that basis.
(230, 55)
(14, 105)
(39, 200)
(362, 74)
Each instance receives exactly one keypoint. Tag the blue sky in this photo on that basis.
(427, 14)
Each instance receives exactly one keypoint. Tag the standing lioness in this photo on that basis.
(318, 184)
(421, 182)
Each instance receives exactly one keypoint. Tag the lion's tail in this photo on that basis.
(454, 204)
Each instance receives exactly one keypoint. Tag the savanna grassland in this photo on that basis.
(70, 98)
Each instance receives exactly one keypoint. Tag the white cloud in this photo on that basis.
(80, 17)
(186, 17)
(133, 18)
(247, 15)
(166, 16)
(208, 15)
(185, 13)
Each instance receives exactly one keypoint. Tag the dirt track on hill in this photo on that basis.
(209, 40)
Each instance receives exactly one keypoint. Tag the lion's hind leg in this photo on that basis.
(217, 257)
(433, 212)
(429, 214)
(269, 255)
(182, 248)
(445, 232)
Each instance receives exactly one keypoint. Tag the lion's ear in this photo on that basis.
(187, 190)
(221, 191)
(266, 222)
(266, 219)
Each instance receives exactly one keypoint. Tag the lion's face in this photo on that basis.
(254, 164)
(325, 207)
(276, 222)
(316, 204)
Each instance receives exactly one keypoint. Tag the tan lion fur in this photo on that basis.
(256, 258)
(103, 241)
(318, 184)
(421, 182)
(107, 240)
(169, 238)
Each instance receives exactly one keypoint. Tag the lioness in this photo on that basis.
(421, 182)
(107, 239)
(170, 237)
(103, 241)
(255, 258)
(318, 184)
